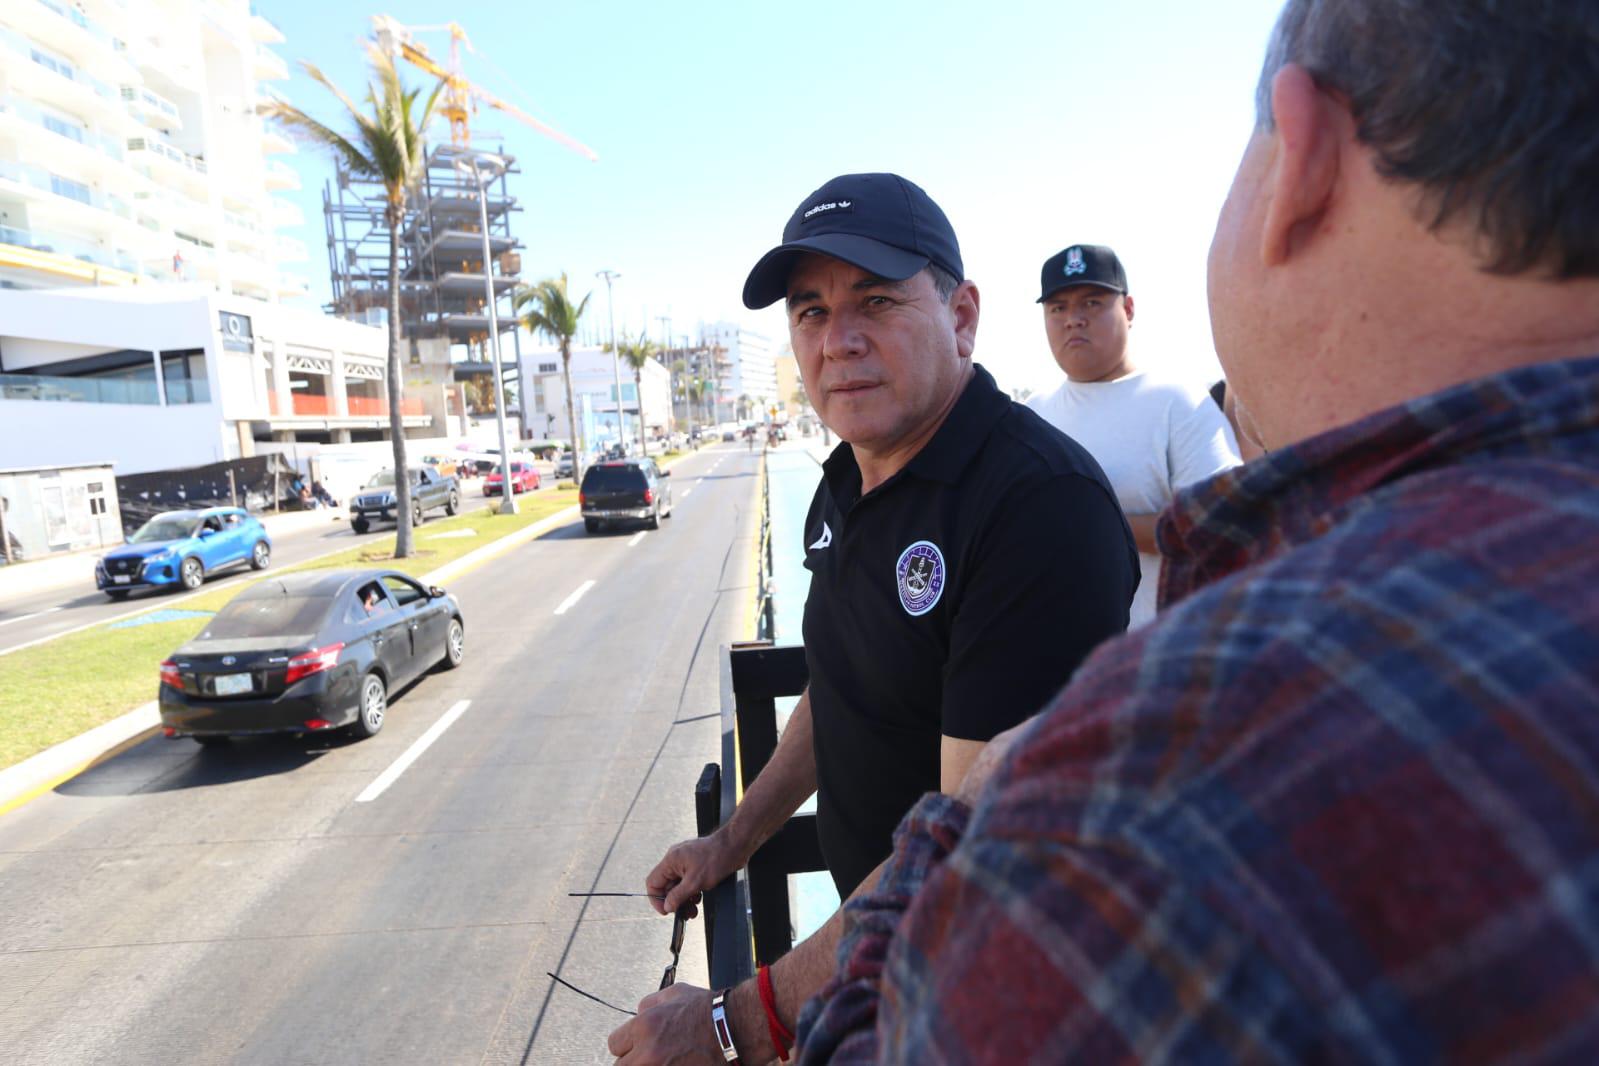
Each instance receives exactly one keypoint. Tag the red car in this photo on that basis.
(524, 478)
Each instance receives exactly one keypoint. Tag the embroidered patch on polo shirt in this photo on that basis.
(920, 573)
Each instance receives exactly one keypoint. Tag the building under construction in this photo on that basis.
(443, 296)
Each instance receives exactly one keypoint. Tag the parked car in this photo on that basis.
(524, 478)
(307, 652)
(442, 465)
(563, 465)
(624, 490)
(179, 548)
(375, 502)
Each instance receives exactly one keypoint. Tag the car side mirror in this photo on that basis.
(435, 592)
(207, 532)
(666, 473)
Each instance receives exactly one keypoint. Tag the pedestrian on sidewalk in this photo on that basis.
(964, 558)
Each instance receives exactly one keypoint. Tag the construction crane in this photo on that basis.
(461, 97)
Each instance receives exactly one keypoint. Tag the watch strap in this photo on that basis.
(723, 1031)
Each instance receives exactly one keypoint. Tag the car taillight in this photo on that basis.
(170, 675)
(649, 495)
(582, 500)
(313, 662)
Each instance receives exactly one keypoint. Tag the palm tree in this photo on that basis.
(546, 309)
(635, 354)
(388, 145)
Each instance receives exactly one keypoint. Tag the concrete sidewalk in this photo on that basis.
(74, 570)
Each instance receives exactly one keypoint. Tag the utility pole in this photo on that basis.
(666, 346)
(481, 180)
(616, 355)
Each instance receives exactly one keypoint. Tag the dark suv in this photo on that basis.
(625, 490)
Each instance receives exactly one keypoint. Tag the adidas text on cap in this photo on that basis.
(881, 223)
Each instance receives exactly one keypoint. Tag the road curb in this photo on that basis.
(53, 767)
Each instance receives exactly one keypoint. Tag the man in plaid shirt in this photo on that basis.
(1340, 802)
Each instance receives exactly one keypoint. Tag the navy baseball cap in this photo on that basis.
(881, 223)
(1082, 264)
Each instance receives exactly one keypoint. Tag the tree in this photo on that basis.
(635, 354)
(389, 145)
(546, 309)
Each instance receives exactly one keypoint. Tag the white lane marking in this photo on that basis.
(570, 601)
(635, 538)
(687, 491)
(421, 744)
(25, 617)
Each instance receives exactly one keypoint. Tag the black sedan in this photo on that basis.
(307, 652)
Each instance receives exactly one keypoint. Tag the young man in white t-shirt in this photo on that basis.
(1151, 437)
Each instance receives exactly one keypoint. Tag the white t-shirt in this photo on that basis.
(1152, 438)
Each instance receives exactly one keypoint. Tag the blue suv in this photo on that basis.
(181, 547)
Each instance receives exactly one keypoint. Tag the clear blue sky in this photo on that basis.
(1034, 125)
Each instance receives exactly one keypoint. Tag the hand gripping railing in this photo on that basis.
(747, 915)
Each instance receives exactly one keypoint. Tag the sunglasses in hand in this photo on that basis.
(668, 976)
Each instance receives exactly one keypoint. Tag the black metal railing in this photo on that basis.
(747, 916)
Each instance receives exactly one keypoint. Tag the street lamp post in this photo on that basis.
(507, 488)
(616, 358)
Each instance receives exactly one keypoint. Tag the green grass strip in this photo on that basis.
(66, 686)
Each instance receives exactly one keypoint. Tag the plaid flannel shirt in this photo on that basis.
(1339, 803)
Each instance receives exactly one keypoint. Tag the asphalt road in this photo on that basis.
(241, 905)
(56, 611)
(50, 613)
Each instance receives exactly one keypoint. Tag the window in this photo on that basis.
(69, 130)
(403, 591)
(96, 504)
(267, 615)
(72, 190)
(548, 368)
(370, 602)
(55, 63)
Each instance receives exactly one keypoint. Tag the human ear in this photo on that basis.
(963, 306)
(1127, 304)
(1304, 170)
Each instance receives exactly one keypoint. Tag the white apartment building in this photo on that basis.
(751, 372)
(157, 377)
(131, 150)
(593, 395)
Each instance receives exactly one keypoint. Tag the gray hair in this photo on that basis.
(1487, 105)
(944, 283)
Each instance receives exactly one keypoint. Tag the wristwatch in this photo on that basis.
(724, 1034)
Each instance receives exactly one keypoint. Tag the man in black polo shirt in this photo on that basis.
(964, 555)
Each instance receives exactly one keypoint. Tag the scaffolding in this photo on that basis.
(441, 269)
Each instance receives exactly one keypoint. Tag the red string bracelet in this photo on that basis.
(782, 1039)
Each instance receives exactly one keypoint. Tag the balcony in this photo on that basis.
(378, 407)
(269, 66)
(274, 141)
(264, 31)
(279, 175)
(147, 105)
(75, 147)
(71, 32)
(308, 406)
(154, 148)
(100, 390)
(292, 285)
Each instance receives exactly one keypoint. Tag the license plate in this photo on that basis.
(232, 684)
(121, 579)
